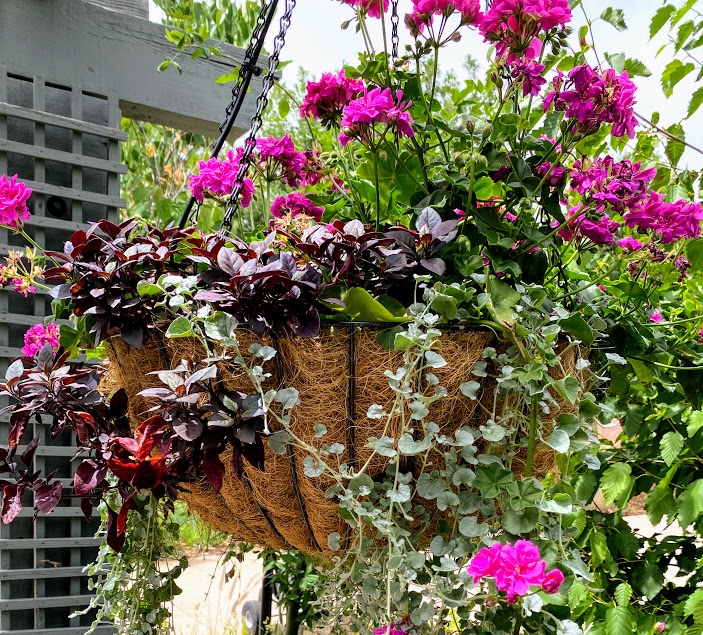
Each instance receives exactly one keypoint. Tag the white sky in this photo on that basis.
(316, 43)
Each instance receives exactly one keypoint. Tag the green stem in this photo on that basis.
(531, 443)
(374, 153)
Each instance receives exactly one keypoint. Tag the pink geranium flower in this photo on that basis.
(13, 199)
(515, 569)
(371, 7)
(325, 99)
(295, 204)
(425, 10)
(593, 98)
(600, 230)
(656, 317)
(37, 336)
(376, 106)
(218, 178)
(672, 221)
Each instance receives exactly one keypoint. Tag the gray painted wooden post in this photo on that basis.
(61, 102)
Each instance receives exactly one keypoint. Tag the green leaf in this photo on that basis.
(471, 528)
(312, 467)
(635, 67)
(599, 549)
(502, 299)
(617, 61)
(384, 446)
(660, 502)
(362, 306)
(220, 326)
(446, 500)
(288, 397)
(430, 486)
(694, 253)
(674, 72)
(409, 447)
(694, 423)
(675, 148)
(361, 484)
(660, 19)
(616, 17)
(278, 442)
(694, 606)
(483, 188)
(615, 481)
(180, 327)
(559, 441)
(690, 503)
(491, 478)
(434, 360)
(520, 522)
(618, 621)
(333, 541)
(463, 476)
(579, 328)
(670, 446)
(469, 388)
(568, 387)
(623, 593)
(226, 78)
(146, 289)
(695, 103)
(648, 579)
(560, 504)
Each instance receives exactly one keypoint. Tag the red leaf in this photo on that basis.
(11, 502)
(127, 504)
(214, 469)
(47, 497)
(114, 540)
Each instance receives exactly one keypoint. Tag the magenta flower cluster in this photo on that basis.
(514, 25)
(425, 10)
(218, 177)
(593, 98)
(394, 628)
(13, 201)
(278, 159)
(295, 204)
(372, 8)
(37, 336)
(529, 74)
(672, 221)
(375, 106)
(515, 568)
(325, 99)
(620, 185)
(600, 229)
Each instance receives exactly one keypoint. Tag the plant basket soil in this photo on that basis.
(338, 375)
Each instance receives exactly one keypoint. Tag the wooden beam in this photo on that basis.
(110, 53)
(138, 8)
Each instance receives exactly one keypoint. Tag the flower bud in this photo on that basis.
(563, 126)
(456, 36)
(479, 160)
(659, 627)
(497, 79)
(470, 125)
(487, 130)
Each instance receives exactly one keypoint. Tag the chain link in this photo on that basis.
(395, 19)
(256, 121)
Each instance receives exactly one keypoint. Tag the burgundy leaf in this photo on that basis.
(18, 421)
(435, 265)
(11, 502)
(47, 497)
(87, 508)
(214, 469)
(29, 451)
(88, 475)
(189, 430)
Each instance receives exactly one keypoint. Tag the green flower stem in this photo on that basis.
(374, 154)
(531, 442)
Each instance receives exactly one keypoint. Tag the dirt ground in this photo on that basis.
(210, 604)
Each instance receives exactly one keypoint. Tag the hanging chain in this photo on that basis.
(395, 19)
(248, 59)
(256, 121)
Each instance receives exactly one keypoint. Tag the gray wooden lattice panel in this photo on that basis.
(65, 144)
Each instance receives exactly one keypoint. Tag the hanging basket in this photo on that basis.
(338, 375)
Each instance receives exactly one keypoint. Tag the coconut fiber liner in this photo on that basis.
(338, 375)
